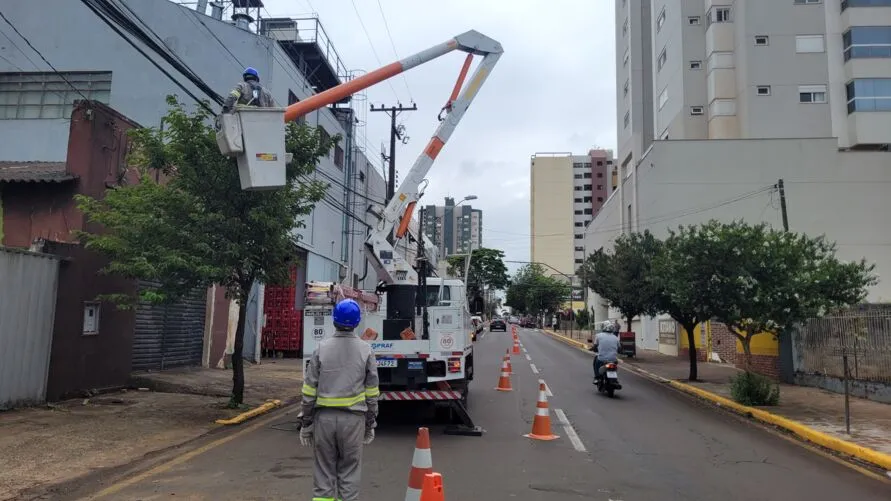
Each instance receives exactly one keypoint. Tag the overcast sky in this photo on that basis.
(553, 90)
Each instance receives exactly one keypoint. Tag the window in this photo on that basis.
(47, 95)
(660, 21)
(578, 213)
(625, 88)
(627, 118)
(694, 20)
(663, 98)
(719, 15)
(663, 57)
(579, 237)
(325, 137)
(599, 186)
(867, 42)
(578, 200)
(762, 90)
(696, 110)
(695, 65)
(808, 43)
(338, 156)
(869, 94)
(803, 2)
(600, 199)
(588, 212)
(579, 261)
(587, 165)
(579, 249)
(577, 176)
(812, 94)
(762, 40)
(579, 225)
(625, 28)
(577, 188)
(625, 58)
(599, 174)
(599, 163)
(586, 175)
(587, 187)
(292, 98)
(865, 3)
(361, 177)
(587, 200)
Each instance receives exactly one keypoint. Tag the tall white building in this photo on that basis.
(753, 69)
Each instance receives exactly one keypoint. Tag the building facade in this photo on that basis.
(564, 184)
(747, 69)
(453, 228)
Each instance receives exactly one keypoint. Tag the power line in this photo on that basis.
(393, 44)
(371, 44)
(17, 32)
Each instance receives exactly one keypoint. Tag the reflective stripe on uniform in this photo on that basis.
(236, 93)
(308, 390)
(340, 401)
(372, 391)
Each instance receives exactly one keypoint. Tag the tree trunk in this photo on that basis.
(691, 341)
(238, 357)
(746, 342)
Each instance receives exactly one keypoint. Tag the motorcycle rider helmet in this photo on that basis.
(347, 315)
(608, 326)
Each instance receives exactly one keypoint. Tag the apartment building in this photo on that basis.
(753, 69)
(453, 228)
(564, 184)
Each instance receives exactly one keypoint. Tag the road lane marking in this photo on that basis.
(534, 368)
(547, 388)
(528, 357)
(570, 431)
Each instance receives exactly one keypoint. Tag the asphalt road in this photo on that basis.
(649, 443)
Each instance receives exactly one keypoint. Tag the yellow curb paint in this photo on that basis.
(822, 439)
(843, 446)
(263, 409)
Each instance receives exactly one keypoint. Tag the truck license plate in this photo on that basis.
(386, 362)
(612, 375)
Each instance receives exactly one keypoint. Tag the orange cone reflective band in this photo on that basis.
(541, 425)
(432, 490)
(504, 380)
(421, 464)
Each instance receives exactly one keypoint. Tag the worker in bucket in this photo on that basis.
(248, 93)
(340, 392)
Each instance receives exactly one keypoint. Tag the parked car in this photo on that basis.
(497, 325)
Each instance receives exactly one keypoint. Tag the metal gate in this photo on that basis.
(169, 335)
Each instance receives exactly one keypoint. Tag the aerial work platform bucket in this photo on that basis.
(256, 137)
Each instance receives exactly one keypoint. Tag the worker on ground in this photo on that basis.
(248, 93)
(340, 393)
(606, 345)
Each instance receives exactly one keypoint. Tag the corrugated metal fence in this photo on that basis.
(28, 283)
(169, 335)
(863, 333)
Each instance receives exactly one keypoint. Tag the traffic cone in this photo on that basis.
(506, 359)
(421, 465)
(432, 490)
(516, 347)
(541, 424)
(504, 380)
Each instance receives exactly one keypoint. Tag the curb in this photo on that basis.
(263, 409)
(564, 339)
(803, 432)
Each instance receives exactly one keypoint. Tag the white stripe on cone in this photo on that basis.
(422, 459)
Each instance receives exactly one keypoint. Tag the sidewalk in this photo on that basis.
(56, 443)
(818, 410)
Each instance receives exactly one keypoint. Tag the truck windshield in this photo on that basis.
(433, 295)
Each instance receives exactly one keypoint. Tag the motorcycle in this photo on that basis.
(608, 379)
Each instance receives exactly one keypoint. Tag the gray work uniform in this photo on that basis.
(249, 93)
(340, 392)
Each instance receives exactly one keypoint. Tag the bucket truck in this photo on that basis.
(421, 330)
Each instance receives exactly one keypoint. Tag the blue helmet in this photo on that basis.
(250, 72)
(347, 314)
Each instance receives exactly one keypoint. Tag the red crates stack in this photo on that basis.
(284, 323)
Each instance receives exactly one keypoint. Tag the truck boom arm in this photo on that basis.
(390, 266)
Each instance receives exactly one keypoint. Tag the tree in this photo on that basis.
(773, 280)
(200, 227)
(533, 292)
(624, 277)
(487, 269)
(683, 270)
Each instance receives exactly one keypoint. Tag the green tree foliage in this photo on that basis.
(770, 281)
(533, 292)
(487, 269)
(624, 276)
(200, 227)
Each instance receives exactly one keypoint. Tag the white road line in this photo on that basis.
(528, 357)
(547, 388)
(570, 431)
(534, 368)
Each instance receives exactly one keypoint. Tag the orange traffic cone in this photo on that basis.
(516, 347)
(504, 380)
(421, 465)
(541, 425)
(506, 359)
(432, 490)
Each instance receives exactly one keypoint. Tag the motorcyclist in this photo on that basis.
(606, 345)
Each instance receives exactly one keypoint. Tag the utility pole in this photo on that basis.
(781, 188)
(395, 133)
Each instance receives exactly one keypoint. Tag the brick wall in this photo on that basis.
(767, 365)
(684, 353)
(723, 342)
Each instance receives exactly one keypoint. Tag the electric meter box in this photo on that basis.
(256, 137)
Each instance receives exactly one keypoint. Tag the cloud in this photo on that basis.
(553, 90)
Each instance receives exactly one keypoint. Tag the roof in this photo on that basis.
(34, 172)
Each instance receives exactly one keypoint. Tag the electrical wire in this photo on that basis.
(393, 45)
(17, 32)
(371, 44)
